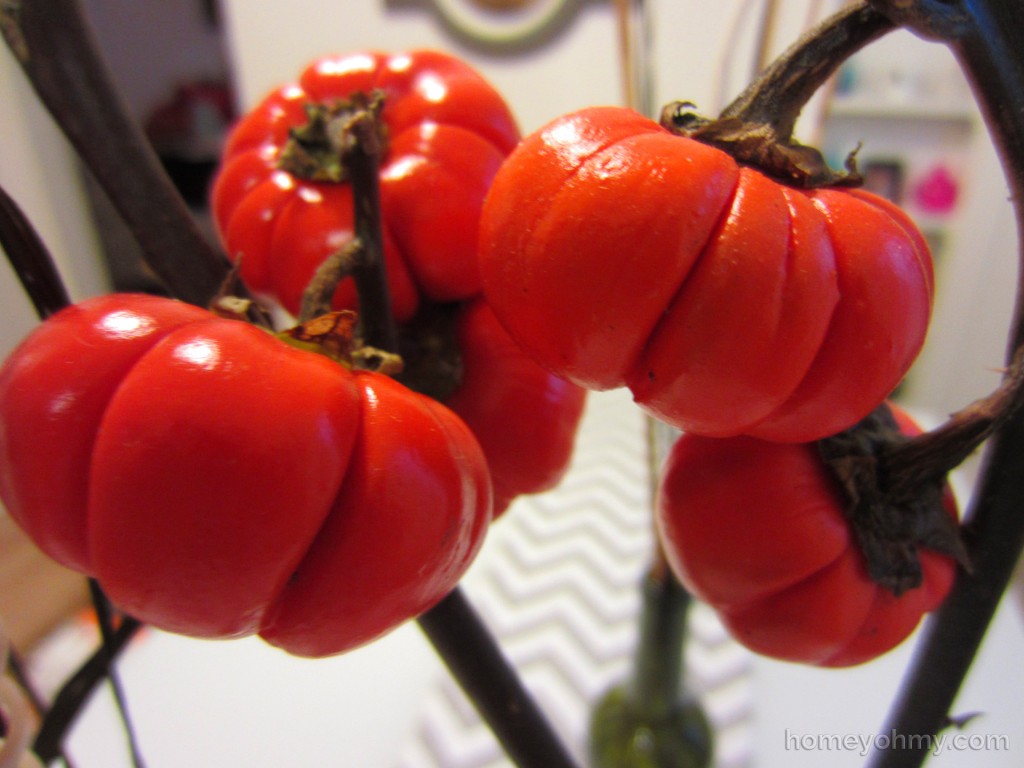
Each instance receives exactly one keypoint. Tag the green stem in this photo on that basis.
(658, 676)
(652, 721)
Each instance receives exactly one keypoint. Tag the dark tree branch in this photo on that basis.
(459, 636)
(987, 36)
(778, 95)
(54, 44)
(376, 319)
(105, 620)
(30, 259)
(478, 665)
(77, 690)
(757, 127)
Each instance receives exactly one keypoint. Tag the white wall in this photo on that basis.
(36, 169)
(975, 289)
(976, 269)
(152, 45)
(580, 69)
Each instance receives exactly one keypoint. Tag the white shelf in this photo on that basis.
(862, 108)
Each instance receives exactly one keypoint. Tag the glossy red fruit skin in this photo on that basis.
(756, 530)
(218, 482)
(447, 131)
(525, 417)
(618, 254)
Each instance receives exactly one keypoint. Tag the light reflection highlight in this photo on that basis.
(201, 353)
(432, 88)
(124, 324)
(405, 166)
(347, 64)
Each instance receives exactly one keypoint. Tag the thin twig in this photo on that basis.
(105, 619)
(363, 162)
(77, 689)
(30, 259)
(19, 671)
(318, 295)
(34, 266)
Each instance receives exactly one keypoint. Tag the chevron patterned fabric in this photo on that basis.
(558, 584)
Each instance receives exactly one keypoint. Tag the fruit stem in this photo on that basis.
(757, 127)
(895, 485)
(107, 618)
(778, 95)
(316, 298)
(361, 152)
(932, 455)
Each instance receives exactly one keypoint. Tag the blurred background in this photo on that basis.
(188, 67)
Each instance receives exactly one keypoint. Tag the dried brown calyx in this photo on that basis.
(895, 484)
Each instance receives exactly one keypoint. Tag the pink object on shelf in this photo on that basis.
(938, 191)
